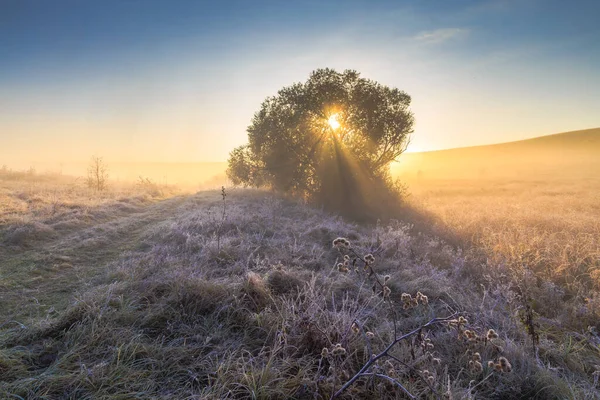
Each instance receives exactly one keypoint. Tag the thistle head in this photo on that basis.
(342, 268)
(338, 350)
(422, 298)
(477, 367)
(341, 243)
(504, 364)
(491, 334)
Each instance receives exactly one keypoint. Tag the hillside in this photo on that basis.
(146, 298)
(140, 293)
(566, 153)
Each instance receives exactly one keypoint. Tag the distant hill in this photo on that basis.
(561, 155)
(566, 155)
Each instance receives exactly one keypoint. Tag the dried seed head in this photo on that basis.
(477, 367)
(346, 257)
(491, 364)
(462, 320)
(504, 364)
(477, 357)
(355, 327)
(386, 278)
(370, 335)
(341, 242)
(406, 298)
(324, 352)
(491, 334)
(431, 379)
(338, 351)
(436, 361)
(469, 334)
(369, 259)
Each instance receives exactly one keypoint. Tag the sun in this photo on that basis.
(333, 122)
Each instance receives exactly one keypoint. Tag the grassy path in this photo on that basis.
(38, 280)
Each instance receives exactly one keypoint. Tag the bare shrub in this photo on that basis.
(150, 187)
(97, 174)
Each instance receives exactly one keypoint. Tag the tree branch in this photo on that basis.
(385, 352)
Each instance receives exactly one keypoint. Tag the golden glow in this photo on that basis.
(333, 122)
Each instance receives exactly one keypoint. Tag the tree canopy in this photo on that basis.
(329, 139)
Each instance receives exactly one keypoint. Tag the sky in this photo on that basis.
(179, 81)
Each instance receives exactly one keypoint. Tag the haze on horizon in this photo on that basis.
(157, 81)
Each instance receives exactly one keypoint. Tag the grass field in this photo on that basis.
(139, 294)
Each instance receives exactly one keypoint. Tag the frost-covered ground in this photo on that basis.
(147, 298)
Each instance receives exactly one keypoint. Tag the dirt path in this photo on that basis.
(38, 281)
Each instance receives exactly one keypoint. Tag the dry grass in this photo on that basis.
(543, 234)
(164, 299)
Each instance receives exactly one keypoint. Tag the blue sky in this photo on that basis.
(180, 80)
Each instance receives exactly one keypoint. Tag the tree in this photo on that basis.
(330, 139)
(97, 174)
